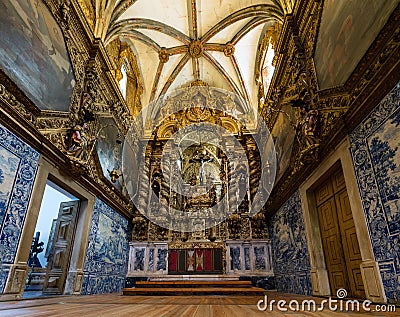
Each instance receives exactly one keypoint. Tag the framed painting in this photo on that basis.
(347, 30)
(34, 55)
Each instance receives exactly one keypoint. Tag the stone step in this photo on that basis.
(191, 291)
(195, 277)
(192, 284)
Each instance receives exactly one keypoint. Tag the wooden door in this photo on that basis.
(339, 238)
(58, 261)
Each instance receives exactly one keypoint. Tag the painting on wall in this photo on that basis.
(284, 135)
(34, 55)
(109, 148)
(375, 148)
(347, 30)
(18, 166)
(290, 258)
(107, 253)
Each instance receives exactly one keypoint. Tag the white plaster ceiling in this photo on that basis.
(150, 26)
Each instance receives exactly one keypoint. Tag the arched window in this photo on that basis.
(124, 81)
(268, 68)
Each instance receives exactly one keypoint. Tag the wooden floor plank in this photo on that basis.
(167, 306)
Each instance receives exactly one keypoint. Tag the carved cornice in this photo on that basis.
(17, 98)
(196, 245)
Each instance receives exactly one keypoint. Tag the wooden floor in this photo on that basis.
(148, 306)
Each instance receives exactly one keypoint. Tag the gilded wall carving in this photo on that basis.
(121, 55)
(201, 164)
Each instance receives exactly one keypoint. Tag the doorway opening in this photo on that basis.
(52, 242)
(338, 233)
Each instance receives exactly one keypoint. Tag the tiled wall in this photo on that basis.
(290, 257)
(107, 253)
(376, 157)
(18, 166)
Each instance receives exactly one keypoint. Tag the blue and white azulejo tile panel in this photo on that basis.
(290, 257)
(376, 158)
(18, 166)
(107, 252)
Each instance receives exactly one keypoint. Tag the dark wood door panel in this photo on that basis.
(339, 237)
(344, 210)
(351, 243)
(323, 192)
(334, 252)
(338, 280)
(338, 181)
(328, 221)
(358, 282)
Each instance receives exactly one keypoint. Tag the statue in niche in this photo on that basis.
(307, 125)
(307, 128)
(242, 186)
(80, 138)
(156, 189)
(78, 148)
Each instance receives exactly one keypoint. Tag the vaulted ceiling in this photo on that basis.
(181, 41)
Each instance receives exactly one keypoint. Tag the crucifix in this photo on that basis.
(201, 158)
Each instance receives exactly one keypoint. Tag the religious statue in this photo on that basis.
(79, 146)
(242, 193)
(201, 158)
(80, 139)
(307, 126)
(213, 195)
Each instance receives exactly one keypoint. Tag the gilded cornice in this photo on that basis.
(88, 11)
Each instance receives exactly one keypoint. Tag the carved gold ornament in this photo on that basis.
(163, 55)
(196, 49)
(229, 49)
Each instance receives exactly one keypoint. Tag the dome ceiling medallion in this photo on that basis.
(163, 55)
(196, 49)
(229, 50)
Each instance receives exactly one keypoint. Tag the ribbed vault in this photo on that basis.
(189, 40)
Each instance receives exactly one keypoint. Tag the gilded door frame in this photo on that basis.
(372, 280)
(18, 271)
